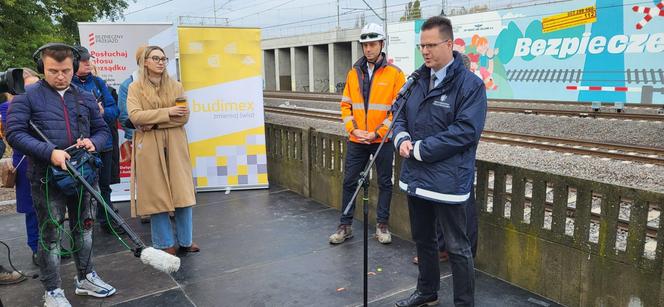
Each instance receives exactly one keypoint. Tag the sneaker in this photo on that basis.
(93, 285)
(8, 277)
(343, 232)
(383, 234)
(56, 298)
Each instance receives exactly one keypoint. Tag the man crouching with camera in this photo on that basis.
(70, 119)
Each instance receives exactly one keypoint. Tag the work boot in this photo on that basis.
(343, 232)
(8, 277)
(383, 234)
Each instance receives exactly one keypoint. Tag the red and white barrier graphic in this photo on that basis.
(649, 13)
(603, 88)
(91, 39)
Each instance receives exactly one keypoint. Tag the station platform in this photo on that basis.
(259, 248)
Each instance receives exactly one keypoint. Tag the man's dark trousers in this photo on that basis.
(357, 157)
(471, 227)
(453, 220)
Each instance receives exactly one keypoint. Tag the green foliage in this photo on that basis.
(412, 12)
(27, 24)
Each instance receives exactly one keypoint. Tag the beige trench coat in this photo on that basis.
(161, 175)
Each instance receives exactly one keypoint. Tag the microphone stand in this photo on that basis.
(363, 183)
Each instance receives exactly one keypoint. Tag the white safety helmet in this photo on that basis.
(371, 33)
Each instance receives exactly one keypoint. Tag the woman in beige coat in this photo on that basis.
(161, 177)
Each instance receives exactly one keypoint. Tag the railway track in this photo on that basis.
(588, 112)
(646, 155)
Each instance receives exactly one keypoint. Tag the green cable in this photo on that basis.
(61, 229)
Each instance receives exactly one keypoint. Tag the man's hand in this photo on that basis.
(101, 108)
(405, 148)
(361, 135)
(58, 158)
(371, 136)
(85, 143)
(177, 111)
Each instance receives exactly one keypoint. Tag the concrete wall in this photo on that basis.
(343, 61)
(344, 35)
(320, 70)
(566, 267)
(300, 68)
(315, 62)
(284, 69)
(269, 70)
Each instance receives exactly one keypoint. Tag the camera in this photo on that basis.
(11, 81)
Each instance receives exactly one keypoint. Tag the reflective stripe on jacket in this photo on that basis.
(372, 115)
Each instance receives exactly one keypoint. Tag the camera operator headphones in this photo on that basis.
(40, 63)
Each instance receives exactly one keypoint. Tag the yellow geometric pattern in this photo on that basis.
(211, 53)
(235, 173)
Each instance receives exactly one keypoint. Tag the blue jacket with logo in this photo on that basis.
(444, 125)
(62, 119)
(100, 92)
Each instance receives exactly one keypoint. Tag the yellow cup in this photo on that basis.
(181, 102)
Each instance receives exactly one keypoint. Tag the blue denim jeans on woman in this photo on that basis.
(162, 230)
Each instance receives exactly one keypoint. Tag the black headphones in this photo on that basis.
(37, 56)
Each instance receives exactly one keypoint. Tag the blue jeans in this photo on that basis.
(162, 230)
(357, 157)
(424, 217)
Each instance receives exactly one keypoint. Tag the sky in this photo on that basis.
(276, 17)
(280, 18)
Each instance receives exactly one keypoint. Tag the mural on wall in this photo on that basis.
(580, 50)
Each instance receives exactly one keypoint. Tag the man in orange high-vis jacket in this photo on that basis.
(371, 87)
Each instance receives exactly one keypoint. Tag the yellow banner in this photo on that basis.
(211, 56)
(569, 19)
(221, 71)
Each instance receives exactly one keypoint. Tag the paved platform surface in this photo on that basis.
(259, 248)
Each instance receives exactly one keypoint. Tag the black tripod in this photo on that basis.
(363, 181)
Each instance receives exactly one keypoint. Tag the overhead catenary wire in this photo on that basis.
(456, 24)
(148, 7)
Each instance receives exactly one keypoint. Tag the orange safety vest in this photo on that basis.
(386, 82)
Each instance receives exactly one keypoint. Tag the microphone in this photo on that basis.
(409, 83)
(404, 89)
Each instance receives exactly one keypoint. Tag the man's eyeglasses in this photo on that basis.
(430, 46)
(157, 59)
(369, 35)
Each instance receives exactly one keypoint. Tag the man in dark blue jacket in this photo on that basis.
(437, 133)
(85, 80)
(68, 116)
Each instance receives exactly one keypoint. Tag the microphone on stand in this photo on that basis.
(409, 83)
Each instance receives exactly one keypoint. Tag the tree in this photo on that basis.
(412, 12)
(26, 25)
